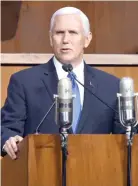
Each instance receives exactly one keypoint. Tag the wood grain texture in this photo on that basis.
(99, 160)
(92, 160)
(15, 172)
(32, 164)
(6, 73)
(114, 26)
(48, 158)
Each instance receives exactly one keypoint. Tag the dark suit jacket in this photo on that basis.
(30, 95)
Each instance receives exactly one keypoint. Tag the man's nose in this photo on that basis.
(66, 38)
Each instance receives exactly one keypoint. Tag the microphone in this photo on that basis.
(68, 68)
(63, 117)
(41, 122)
(127, 105)
(64, 105)
(127, 116)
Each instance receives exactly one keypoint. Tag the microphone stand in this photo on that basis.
(129, 154)
(63, 131)
(63, 118)
(64, 135)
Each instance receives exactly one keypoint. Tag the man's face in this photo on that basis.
(68, 39)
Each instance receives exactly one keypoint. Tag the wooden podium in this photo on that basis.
(93, 160)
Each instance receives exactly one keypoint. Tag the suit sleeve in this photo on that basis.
(13, 113)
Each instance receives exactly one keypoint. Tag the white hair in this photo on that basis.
(72, 10)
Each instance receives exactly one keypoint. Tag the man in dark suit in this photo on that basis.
(30, 92)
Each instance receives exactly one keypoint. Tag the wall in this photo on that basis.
(25, 25)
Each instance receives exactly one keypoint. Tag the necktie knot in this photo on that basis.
(72, 77)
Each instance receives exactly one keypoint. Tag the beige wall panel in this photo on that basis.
(33, 26)
(114, 25)
(123, 72)
(7, 71)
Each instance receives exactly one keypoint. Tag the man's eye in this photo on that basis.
(73, 32)
(59, 32)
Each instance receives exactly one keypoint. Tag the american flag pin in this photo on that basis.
(91, 84)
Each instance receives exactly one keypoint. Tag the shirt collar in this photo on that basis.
(78, 70)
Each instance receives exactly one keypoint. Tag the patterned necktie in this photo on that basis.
(76, 102)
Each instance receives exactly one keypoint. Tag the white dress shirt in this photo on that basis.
(79, 71)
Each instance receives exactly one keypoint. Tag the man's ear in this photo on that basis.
(50, 37)
(88, 40)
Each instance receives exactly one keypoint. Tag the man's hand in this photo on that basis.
(11, 147)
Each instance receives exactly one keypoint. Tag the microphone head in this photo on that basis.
(127, 111)
(64, 104)
(65, 88)
(67, 67)
(127, 87)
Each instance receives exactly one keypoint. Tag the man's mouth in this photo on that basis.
(65, 49)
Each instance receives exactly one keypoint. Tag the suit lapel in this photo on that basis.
(90, 83)
(50, 79)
